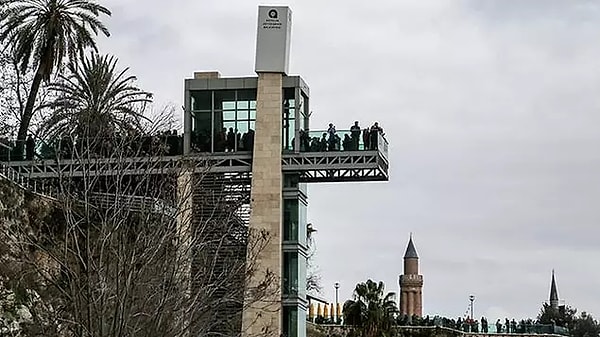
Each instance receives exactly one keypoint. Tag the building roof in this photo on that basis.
(411, 252)
(553, 291)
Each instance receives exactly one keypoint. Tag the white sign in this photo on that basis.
(273, 39)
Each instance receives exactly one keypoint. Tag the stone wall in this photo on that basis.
(22, 213)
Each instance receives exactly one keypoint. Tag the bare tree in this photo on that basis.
(313, 277)
(138, 247)
(14, 89)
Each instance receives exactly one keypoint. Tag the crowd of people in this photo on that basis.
(482, 325)
(331, 140)
(166, 143)
(225, 140)
(170, 143)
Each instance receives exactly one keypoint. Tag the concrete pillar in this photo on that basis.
(184, 238)
(263, 317)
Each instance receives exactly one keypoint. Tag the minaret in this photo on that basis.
(411, 283)
(553, 293)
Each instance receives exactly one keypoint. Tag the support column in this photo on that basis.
(262, 316)
(184, 242)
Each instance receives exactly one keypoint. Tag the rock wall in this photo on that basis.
(23, 215)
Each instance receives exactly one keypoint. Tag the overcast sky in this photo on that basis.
(491, 109)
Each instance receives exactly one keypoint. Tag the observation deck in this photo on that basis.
(317, 164)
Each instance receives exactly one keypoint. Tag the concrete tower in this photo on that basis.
(411, 283)
(553, 293)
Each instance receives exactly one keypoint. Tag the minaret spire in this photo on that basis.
(553, 293)
(411, 251)
(411, 283)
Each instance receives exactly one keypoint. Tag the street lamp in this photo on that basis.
(472, 298)
(337, 289)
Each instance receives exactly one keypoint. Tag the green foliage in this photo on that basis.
(371, 313)
(583, 325)
(42, 34)
(95, 99)
(563, 316)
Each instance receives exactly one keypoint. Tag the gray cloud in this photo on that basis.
(491, 109)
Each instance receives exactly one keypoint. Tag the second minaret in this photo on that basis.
(411, 283)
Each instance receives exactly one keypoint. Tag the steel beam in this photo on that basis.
(312, 166)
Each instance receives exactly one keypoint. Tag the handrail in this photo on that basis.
(25, 183)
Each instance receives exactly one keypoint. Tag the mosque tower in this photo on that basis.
(411, 283)
(553, 293)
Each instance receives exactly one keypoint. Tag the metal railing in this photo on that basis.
(31, 185)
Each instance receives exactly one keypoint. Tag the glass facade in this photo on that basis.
(294, 224)
(223, 120)
(290, 322)
(290, 274)
(289, 119)
(290, 218)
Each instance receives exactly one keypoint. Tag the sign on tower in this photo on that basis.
(273, 39)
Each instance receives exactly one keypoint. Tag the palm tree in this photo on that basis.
(42, 34)
(370, 312)
(95, 99)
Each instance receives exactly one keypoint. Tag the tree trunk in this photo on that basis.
(28, 111)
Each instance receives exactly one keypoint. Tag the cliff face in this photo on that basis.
(23, 219)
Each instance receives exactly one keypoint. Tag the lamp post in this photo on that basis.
(337, 288)
(472, 298)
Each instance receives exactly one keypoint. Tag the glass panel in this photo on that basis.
(200, 100)
(247, 95)
(290, 220)
(290, 321)
(291, 135)
(290, 273)
(242, 114)
(253, 125)
(229, 115)
(302, 277)
(290, 180)
(252, 104)
(302, 222)
(223, 97)
(201, 133)
(228, 105)
(242, 126)
(219, 134)
(342, 140)
(242, 104)
(247, 138)
(252, 114)
(228, 125)
(292, 113)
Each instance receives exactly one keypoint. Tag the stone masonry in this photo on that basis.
(411, 283)
(263, 318)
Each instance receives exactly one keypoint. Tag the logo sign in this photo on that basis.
(273, 39)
